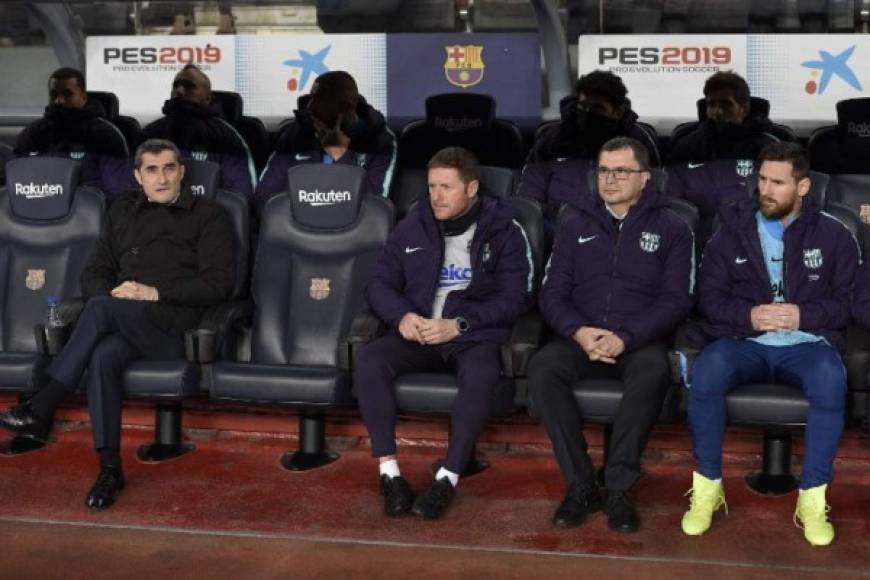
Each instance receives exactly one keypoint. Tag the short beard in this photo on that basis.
(779, 211)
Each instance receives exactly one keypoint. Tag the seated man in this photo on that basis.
(162, 258)
(194, 121)
(555, 172)
(76, 126)
(452, 278)
(337, 126)
(775, 288)
(710, 165)
(618, 283)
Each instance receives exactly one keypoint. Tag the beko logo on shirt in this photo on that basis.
(318, 198)
(454, 275)
(34, 191)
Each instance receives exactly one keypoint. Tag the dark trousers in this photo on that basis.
(477, 367)
(727, 363)
(555, 369)
(109, 334)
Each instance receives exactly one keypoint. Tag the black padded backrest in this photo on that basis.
(109, 102)
(237, 205)
(6, 155)
(686, 211)
(463, 119)
(853, 191)
(41, 188)
(201, 177)
(309, 283)
(40, 259)
(325, 197)
(844, 147)
(410, 185)
(531, 217)
(231, 105)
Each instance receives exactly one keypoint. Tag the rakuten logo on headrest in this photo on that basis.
(859, 129)
(453, 124)
(317, 198)
(34, 191)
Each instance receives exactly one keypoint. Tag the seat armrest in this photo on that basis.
(364, 328)
(527, 335)
(226, 321)
(50, 341)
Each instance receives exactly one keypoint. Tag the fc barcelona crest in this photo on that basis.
(649, 242)
(35, 279)
(744, 167)
(319, 289)
(813, 258)
(464, 65)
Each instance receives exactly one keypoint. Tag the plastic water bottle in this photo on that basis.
(53, 319)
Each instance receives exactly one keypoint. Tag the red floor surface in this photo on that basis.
(230, 507)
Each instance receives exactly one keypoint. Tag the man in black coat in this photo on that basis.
(163, 257)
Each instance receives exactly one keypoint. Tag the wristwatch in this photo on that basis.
(462, 325)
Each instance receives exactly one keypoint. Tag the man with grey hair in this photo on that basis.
(163, 257)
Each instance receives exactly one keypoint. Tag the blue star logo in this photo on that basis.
(831, 66)
(309, 64)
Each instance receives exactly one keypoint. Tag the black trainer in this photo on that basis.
(435, 500)
(580, 501)
(397, 495)
(23, 422)
(109, 484)
(621, 515)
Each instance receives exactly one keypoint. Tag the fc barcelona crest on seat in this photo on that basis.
(35, 279)
(464, 65)
(319, 289)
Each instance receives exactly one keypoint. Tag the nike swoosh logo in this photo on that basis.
(561, 159)
(410, 250)
(301, 157)
(740, 260)
(582, 240)
(776, 259)
(695, 165)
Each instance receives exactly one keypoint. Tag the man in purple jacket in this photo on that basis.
(618, 283)
(555, 172)
(194, 121)
(336, 125)
(75, 126)
(452, 278)
(775, 288)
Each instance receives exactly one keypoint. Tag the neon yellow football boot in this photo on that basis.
(707, 496)
(811, 515)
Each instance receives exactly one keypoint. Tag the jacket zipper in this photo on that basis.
(613, 272)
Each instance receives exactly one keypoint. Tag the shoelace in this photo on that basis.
(697, 498)
(799, 514)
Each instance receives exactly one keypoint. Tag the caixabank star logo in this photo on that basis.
(830, 66)
(303, 67)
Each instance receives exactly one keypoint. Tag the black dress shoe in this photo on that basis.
(109, 484)
(397, 495)
(23, 422)
(621, 515)
(435, 500)
(580, 501)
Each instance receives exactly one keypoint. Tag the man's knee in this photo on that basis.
(714, 369)
(107, 355)
(825, 383)
(372, 361)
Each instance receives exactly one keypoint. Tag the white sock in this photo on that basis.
(452, 477)
(390, 468)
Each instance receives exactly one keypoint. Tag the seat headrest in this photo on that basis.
(459, 112)
(853, 117)
(109, 102)
(758, 107)
(41, 188)
(231, 105)
(326, 197)
(497, 181)
(201, 177)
